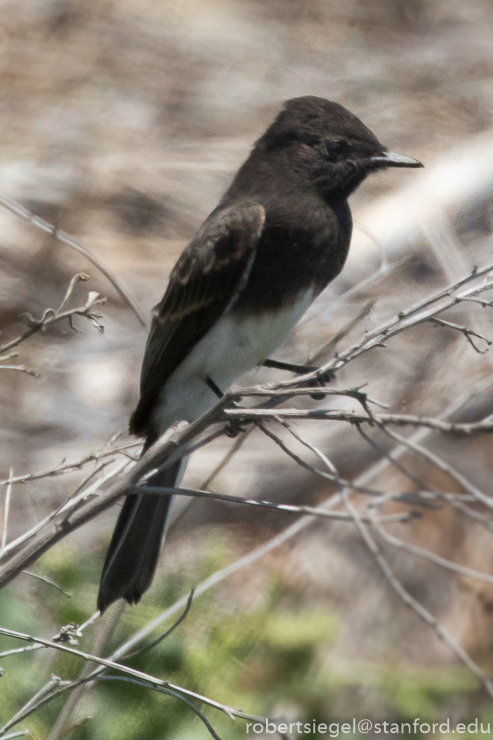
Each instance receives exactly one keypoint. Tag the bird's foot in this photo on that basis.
(320, 382)
(236, 427)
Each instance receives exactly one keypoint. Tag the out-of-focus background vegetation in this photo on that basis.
(122, 123)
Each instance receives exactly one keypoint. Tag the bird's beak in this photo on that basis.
(392, 159)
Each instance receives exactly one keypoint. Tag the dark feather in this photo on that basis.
(134, 549)
(204, 283)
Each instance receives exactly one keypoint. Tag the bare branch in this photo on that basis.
(68, 467)
(418, 313)
(80, 684)
(411, 602)
(72, 504)
(6, 509)
(65, 238)
(396, 464)
(51, 316)
(33, 702)
(468, 333)
(16, 651)
(168, 632)
(260, 391)
(22, 369)
(49, 581)
(76, 513)
(288, 508)
(444, 467)
(82, 507)
(485, 426)
(169, 692)
(148, 680)
(430, 556)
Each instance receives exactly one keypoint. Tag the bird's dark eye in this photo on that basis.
(335, 149)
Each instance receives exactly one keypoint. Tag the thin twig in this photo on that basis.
(430, 556)
(22, 369)
(71, 504)
(238, 443)
(65, 238)
(468, 333)
(49, 581)
(99, 645)
(45, 691)
(16, 651)
(395, 463)
(411, 602)
(168, 692)
(416, 314)
(6, 509)
(168, 632)
(165, 454)
(69, 467)
(485, 426)
(140, 675)
(259, 503)
(51, 316)
(443, 466)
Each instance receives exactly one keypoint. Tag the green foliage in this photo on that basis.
(268, 655)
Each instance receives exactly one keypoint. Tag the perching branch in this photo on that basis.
(129, 475)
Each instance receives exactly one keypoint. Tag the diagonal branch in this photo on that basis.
(51, 316)
(468, 333)
(65, 238)
(147, 679)
(411, 602)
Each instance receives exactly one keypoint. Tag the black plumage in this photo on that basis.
(279, 235)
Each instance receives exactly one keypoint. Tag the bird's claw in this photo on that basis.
(235, 427)
(320, 382)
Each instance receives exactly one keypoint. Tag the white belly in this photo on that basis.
(231, 348)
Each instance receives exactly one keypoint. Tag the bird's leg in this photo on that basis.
(298, 369)
(301, 370)
(235, 427)
(214, 388)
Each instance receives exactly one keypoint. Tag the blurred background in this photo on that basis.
(122, 123)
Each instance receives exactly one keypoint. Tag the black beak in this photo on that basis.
(392, 159)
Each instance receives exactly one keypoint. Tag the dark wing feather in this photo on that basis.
(205, 281)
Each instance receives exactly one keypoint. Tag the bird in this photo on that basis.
(277, 238)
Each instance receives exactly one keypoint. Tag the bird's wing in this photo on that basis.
(204, 283)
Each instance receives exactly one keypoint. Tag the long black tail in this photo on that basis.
(133, 553)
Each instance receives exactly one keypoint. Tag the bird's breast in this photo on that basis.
(297, 253)
(237, 343)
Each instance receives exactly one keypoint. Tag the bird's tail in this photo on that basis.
(134, 549)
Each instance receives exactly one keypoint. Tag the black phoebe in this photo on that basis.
(280, 234)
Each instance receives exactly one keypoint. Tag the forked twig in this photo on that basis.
(65, 238)
(51, 316)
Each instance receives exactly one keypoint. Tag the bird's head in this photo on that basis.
(329, 145)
